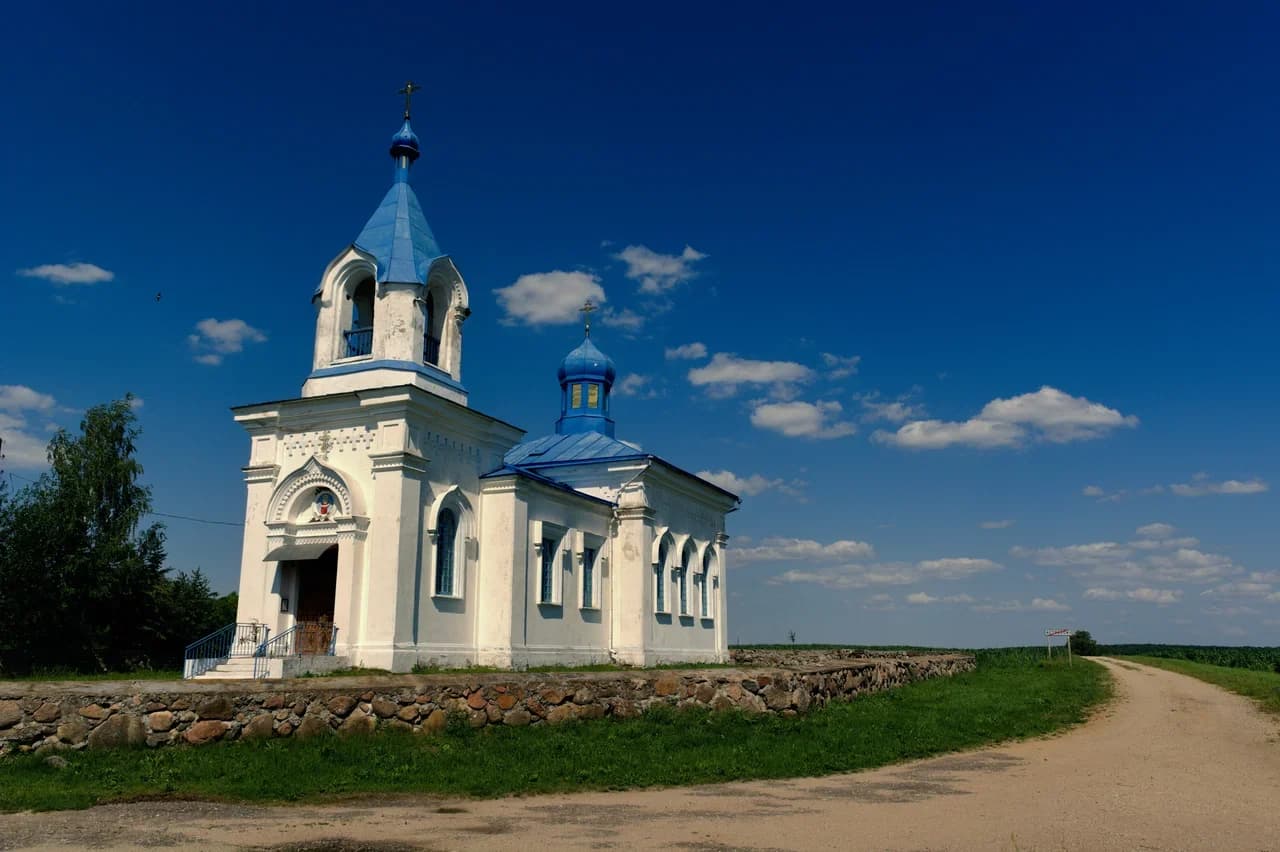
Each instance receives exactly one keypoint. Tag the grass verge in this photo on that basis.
(58, 675)
(1010, 695)
(1263, 687)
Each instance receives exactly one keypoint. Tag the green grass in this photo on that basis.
(1262, 686)
(1013, 694)
(54, 675)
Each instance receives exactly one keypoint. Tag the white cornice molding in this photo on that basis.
(255, 474)
(393, 460)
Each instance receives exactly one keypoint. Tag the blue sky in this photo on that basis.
(979, 303)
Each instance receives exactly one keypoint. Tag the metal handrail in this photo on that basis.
(239, 639)
(430, 350)
(359, 341)
(286, 644)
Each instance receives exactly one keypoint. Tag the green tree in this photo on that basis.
(80, 582)
(1083, 643)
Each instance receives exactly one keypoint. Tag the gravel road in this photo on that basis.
(1173, 763)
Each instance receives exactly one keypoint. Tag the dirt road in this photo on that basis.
(1173, 764)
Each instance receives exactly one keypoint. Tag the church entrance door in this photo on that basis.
(317, 581)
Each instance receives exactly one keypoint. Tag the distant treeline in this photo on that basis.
(1236, 657)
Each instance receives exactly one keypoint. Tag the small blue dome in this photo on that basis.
(588, 363)
(405, 143)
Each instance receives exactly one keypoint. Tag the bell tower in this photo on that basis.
(390, 307)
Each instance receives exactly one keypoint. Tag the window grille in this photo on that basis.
(588, 577)
(446, 540)
(547, 592)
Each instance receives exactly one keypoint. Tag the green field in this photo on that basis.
(1230, 656)
(1014, 693)
(1263, 686)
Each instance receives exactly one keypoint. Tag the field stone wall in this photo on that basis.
(107, 714)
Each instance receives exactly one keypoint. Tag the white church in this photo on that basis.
(389, 524)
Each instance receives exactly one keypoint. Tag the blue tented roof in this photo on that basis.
(399, 238)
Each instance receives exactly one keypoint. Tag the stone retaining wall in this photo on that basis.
(41, 716)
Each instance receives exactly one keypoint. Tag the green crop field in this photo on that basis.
(1234, 657)
(1013, 693)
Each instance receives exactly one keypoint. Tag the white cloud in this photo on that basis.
(803, 419)
(1036, 605)
(1100, 494)
(24, 445)
(860, 575)
(996, 525)
(840, 366)
(726, 373)
(1201, 486)
(626, 319)
(548, 298)
(747, 486)
(658, 273)
(22, 449)
(1149, 559)
(1045, 415)
(63, 274)
(1160, 597)
(634, 384)
(956, 568)
(923, 599)
(215, 338)
(18, 398)
(1254, 587)
(896, 411)
(939, 434)
(783, 549)
(687, 352)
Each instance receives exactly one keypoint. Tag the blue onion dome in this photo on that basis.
(405, 143)
(587, 363)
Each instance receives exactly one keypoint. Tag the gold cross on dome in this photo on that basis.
(586, 311)
(407, 91)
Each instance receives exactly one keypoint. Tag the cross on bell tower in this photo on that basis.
(407, 91)
(586, 310)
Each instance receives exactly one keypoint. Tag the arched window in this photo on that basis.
(446, 547)
(430, 333)
(359, 338)
(708, 566)
(687, 559)
(660, 596)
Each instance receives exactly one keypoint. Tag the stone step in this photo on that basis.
(236, 668)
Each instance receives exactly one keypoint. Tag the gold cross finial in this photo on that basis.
(407, 91)
(586, 311)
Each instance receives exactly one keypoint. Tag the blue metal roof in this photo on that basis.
(570, 449)
(397, 234)
(399, 238)
(535, 458)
